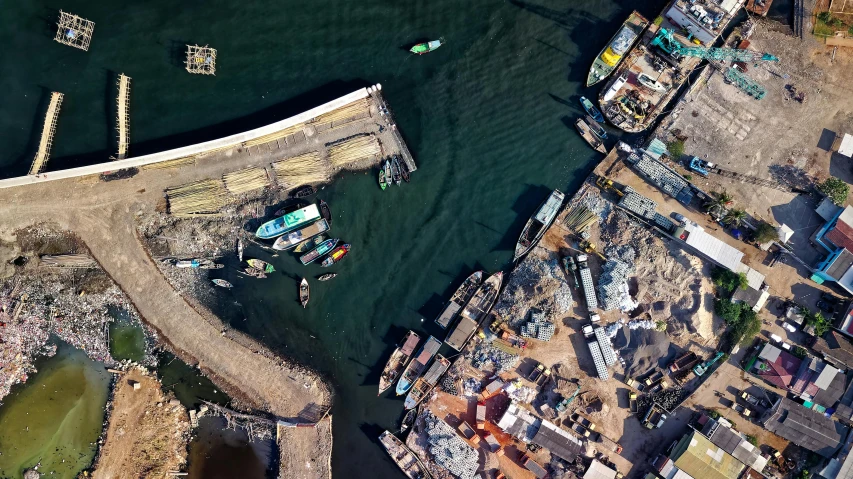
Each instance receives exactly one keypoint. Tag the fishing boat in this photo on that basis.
(327, 276)
(309, 243)
(398, 360)
(405, 459)
(320, 250)
(254, 272)
(408, 420)
(292, 205)
(610, 57)
(539, 223)
(595, 127)
(335, 256)
(290, 222)
(426, 47)
(395, 171)
(303, 192)
(387, 168)
(382, 178)
(404, 171)
(475, 311)
(459, 299)
(423, 386)
(261, 265)
(417, 365)
(189, 263)
(592, 110)
(326, 212)
(304, 292)
(292, 239)
(594, 141)
(240, 249)
(222, 283)
(651, 83)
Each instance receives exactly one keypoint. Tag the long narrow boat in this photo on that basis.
(222, 283)
(592, 110)
(261, 265)
(593, 141)
(539, 223)
(395, 171)
(426, 47)
(404, 171)
(423, 386)
(289, 222)
(320, 250)
(382, 178)
(595, 127)
(254, 272)
(387, 168)
(398, 360)
(326, 212)
(475, 311)
(459, 299)
(612, 54)
(292, 239)
(304, 293)
(309, 244)
(336, 255)
(417, 365)
(240, 249)
(405, 459)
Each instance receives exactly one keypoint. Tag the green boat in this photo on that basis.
(261, 265)
(382, 178)
(616, 48)
(426, 47)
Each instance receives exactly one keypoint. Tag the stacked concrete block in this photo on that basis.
(449, 450)
(639, 205)
(610, 285)
(664, 178)
(588, 289)
(598, 359)
(538, 328)
(665, 223)
(606, 349)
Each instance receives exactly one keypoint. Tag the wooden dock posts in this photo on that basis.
(74, 31)
(47, 133)
(123, 115)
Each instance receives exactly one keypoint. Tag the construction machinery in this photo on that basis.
(564, 404)
(606, 184)
(666, 41)
(701, 369)
(589, 248)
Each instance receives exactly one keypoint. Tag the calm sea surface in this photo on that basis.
(488, 118)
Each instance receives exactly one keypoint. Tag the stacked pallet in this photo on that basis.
(199, 197)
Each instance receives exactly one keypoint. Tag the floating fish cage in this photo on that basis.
(201, 60)
(74, 31)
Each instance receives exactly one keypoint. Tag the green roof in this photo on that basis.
(697, 456)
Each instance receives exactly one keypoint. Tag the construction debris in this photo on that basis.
(613, 282)
(538, 327)
(486, 357)
(449, 450)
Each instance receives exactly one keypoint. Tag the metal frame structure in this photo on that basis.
(74, 31)
(201, 60)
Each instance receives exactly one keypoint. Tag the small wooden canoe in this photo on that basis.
(304, 292)
(327, 276)
(239, 249)
(303, 192)
(336, 255)
(382, 179)
(255, 273)
(261, 265)
(404, 171)
(222, 283)
(326, 212)
(309, 243)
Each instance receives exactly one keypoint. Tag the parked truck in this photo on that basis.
(609, 444)
(654, 418)
(684, 362)
(742, 410)
(578, 428)
(749, 398)
(583, 421)
(632, 399)
(635, 384)
(654, 378)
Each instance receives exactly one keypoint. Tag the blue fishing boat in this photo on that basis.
(320, 250)
(592, 110)
(289, 222)
(417, 365)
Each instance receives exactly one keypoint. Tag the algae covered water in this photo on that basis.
(488, 117)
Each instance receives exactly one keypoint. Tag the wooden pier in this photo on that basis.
(123, 113)
(376, 92)
(47, 133)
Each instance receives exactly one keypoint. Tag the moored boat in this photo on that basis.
(610, 57)
(424, 385)
(593, 141)
(303, 192)
(309, 243)
(426, 47)
(595, 127)
(326, 212)
(405, 459)
(222, 283)
(592, 110)
(404, 171)
(261, 265)
(320, 250)
(459, 299)
(387, 168)
(240, 249)
(289, 222)
(650, 83)
(292, 239)
(254, 272)
(291, 205)
(382, 178)
(539, 223)
(417, 365)
(408, 420)
(395, 171)
(304, 292)
(336, 255)
(326, 277)
(397, 361)
(475, 311)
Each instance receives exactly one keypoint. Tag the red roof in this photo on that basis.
(841, 235)
(782, 371)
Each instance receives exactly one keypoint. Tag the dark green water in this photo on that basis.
(488, 118)
(127, 339)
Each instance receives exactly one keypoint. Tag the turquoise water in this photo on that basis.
(488, 118)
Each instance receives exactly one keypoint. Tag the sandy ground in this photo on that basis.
(309, 451)
(148, 432)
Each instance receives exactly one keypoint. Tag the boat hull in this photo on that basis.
(405, 459)
(417, 365)
(290, 240)
(426, 47)
(539, 223)
(289, 222)
(608, 60)
(475, 311)
(459, 299)
(319, 251)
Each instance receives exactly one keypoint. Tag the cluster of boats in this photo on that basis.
(590, 127)
(393, 171)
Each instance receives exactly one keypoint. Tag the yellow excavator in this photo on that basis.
(589, 248)
(606, 184)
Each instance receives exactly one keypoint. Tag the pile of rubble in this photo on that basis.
(670, 397)
(613, 282)
(472, 387)
(538, 328)
(537, 282)
(449, 450)
(487, 357)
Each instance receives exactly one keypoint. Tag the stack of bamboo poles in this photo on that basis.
(200, 197)
(346, 113)
(68, 261)
(245, 180)
(580, 218)
(304, 169)
(274, 136)
(353, 150)
(176, 163)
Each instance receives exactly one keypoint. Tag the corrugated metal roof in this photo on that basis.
(770, 352)
(699, 457)
(598, 470)
(826, 377)
(846, 147)
(712, 247)
(840, 264)
(560, 442)
(519, 423)
(806, 428)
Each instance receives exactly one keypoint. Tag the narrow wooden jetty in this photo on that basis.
(47, 133)
(376, 92)
(123, 113)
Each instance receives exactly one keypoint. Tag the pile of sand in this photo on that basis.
(643, 349)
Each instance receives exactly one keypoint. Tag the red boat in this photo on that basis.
(336, 255)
